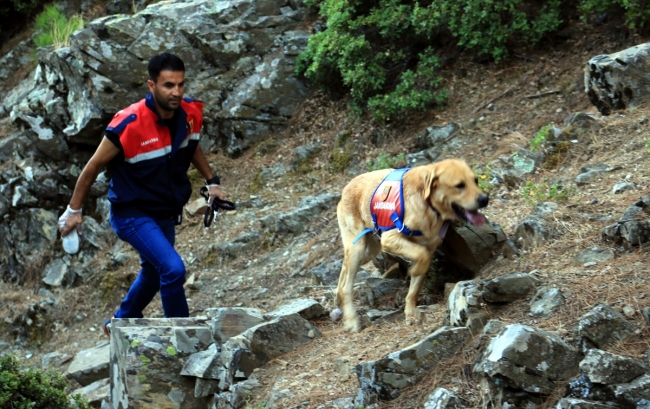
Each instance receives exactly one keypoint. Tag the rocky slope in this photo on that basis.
(252, 258)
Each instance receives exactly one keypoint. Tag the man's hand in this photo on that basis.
(69, 220)
(214, 191)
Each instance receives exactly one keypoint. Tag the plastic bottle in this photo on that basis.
(71, 242)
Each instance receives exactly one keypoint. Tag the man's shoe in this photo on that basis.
(107, 329)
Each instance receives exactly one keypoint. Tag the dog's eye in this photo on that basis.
(461, 185)
(476, 181)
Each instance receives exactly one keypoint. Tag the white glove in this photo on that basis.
(69, 220)
(214, 191)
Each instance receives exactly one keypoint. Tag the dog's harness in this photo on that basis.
(387, 207)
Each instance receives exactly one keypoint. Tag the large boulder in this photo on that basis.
(618, 80)
(529, 359)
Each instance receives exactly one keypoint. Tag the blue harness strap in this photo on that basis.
(363, 233)
(395, 217)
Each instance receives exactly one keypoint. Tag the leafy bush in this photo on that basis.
(540, 137)
(31, 388)
(384, 52)
(54, 28)
(386, 161)
(535, 193)
(634, 12)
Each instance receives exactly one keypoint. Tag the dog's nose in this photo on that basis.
(483, 201)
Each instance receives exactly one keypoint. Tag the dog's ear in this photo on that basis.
(430, 182)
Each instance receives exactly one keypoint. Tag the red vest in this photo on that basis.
(151, 176)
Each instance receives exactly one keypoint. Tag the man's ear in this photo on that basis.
(430, 182)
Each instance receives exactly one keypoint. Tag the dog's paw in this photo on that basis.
(414, 317)
(351, 323)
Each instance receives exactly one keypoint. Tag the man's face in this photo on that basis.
(168, 91)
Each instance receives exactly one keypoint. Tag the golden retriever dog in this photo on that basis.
(432, 195)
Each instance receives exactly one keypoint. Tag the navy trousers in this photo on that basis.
(162, 268)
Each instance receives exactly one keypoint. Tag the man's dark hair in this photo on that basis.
(162, 62)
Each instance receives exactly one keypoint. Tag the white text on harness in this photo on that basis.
(384, 206)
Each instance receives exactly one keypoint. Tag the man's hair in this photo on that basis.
(162, 62)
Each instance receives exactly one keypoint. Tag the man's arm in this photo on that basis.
(104, 153)
(201, 164)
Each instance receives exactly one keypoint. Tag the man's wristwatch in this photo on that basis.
(213, 181)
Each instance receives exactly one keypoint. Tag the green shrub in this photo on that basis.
(386, 161)
(540, 137)
(54, 28)
(635, 12)
(535, 193)
(30, 388)
(385, 52)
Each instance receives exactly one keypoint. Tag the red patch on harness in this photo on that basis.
(385, 202)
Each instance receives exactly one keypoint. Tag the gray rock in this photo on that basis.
(604, 326)
(618, 80)
(606, 368)
(295, 221)
(464, 301)
(621, 187)
(421, 158)
(528, 359)
(545, 301)
(636, 392)
(537, 228)
(258, 345)
(572, 403)
(307, 308)
(581, 120)
(203, 364)
(594, 254)
(238, 395)
(590, 172)
(56, 273)
(90, 365)
(508, 287)
(96, 392)
(52, 359)
(443, 399)
(437, 136)
(471, 247)
(230, 321)
(646, 315)
(148, 356)
(632, 228)
(386, 377)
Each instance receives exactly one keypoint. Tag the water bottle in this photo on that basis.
(71, 242)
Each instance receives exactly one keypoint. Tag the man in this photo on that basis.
(149, 147)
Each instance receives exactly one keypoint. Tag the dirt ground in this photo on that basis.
(500, 108)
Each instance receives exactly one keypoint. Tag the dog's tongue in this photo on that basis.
(476, 218)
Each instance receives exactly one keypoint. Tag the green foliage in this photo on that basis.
(259, 406)
(635, 12)
(385, 52)
(31, 388)
(483, 182)
(386, 161)
(647, 145)
(54, 28)
(543, 192)
(540, 137)
(341, 156)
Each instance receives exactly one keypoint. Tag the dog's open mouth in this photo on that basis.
(470, 216)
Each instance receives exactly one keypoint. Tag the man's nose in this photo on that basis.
(483, 201)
